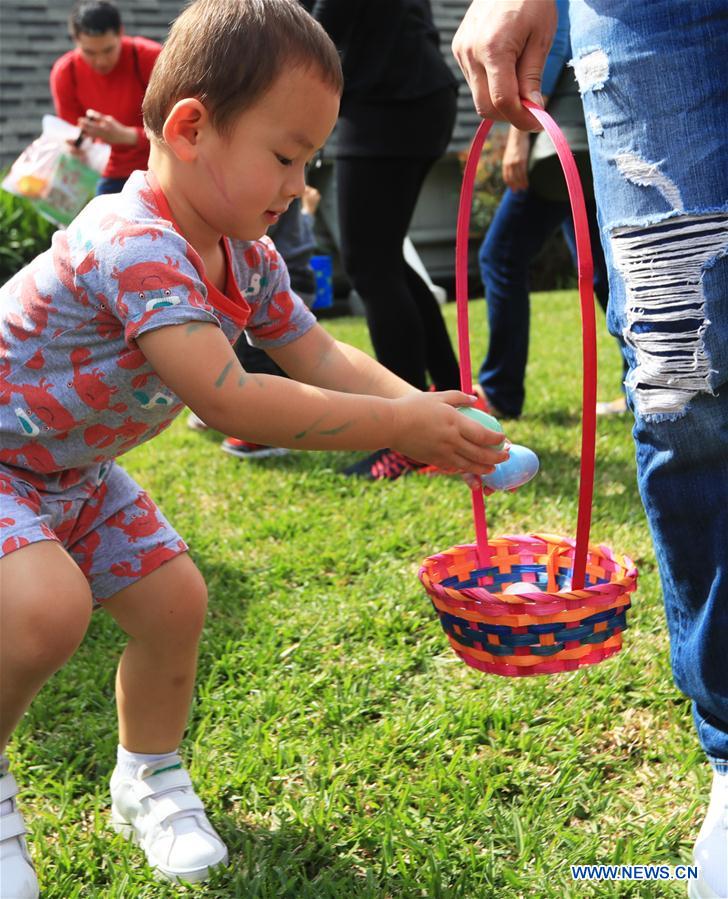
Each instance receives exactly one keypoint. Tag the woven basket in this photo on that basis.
(527, 632)
(577, 612)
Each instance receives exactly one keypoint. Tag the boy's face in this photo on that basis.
(250, 178)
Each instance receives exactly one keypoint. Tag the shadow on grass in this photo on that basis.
(559, 467)
(288, 862)
(561, 418)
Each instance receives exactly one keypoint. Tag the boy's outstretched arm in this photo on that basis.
(371, 408)
(318, 359)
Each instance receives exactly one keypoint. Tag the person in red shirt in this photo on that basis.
(99, 86)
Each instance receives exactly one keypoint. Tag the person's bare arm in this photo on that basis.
(198, 364)
(501, 46)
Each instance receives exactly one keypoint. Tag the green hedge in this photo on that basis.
(23, 234)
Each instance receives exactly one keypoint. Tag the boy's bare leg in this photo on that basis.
(45, 607)
(163, 614)
(152, 797)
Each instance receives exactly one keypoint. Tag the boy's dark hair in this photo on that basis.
(94, 17)
(228, 53)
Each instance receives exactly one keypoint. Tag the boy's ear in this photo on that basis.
(182, 128)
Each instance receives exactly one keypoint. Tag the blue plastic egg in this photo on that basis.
(518, 469)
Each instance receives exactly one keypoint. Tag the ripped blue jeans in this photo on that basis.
(652, 77)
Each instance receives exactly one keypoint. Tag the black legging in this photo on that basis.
(376, 198)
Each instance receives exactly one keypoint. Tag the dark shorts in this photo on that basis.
(108, 525)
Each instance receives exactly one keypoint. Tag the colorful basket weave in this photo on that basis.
(530, 632)
(579, 617)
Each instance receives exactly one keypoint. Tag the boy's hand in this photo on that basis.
(429, 428)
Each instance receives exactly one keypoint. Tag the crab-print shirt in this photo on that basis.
(75, 389)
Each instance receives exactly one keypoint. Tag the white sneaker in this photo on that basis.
(195, 423)
(711, 847)
(159, 810)
(17, 875)
(613, 407)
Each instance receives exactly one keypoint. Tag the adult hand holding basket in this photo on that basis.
(576, 611)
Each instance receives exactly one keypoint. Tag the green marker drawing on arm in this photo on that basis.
(303, 434)
(223, 375)
(328, 432)
(333, 431)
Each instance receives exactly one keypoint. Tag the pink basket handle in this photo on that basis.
(585, 269)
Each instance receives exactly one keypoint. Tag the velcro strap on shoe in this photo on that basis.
(161, 782)
(11, 825)
(168, 807)
(8, 787)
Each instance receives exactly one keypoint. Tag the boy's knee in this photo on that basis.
(167, 607)
(183, 602)
(193, 604)
(49, 625)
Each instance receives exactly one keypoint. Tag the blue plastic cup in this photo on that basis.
(323, 271)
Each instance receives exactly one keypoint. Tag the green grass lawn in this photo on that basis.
(341, 747)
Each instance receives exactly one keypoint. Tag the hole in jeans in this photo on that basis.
(662, 267)
(591, 70)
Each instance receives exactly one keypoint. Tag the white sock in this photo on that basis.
(129, 762)
(5, 807)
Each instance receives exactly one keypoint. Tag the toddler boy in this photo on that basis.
(127, 318)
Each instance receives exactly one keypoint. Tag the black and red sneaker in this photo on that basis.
(384, 465)
(244, 449)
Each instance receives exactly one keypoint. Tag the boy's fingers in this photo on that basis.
(473, 481)
(478, 454)
(454, 397)
(484, 440)
(479, 436)
(461, 463)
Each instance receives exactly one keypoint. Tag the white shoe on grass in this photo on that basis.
(613, 407)
(711, 847)
(195, 423)
(17, 875)
(159, 810)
